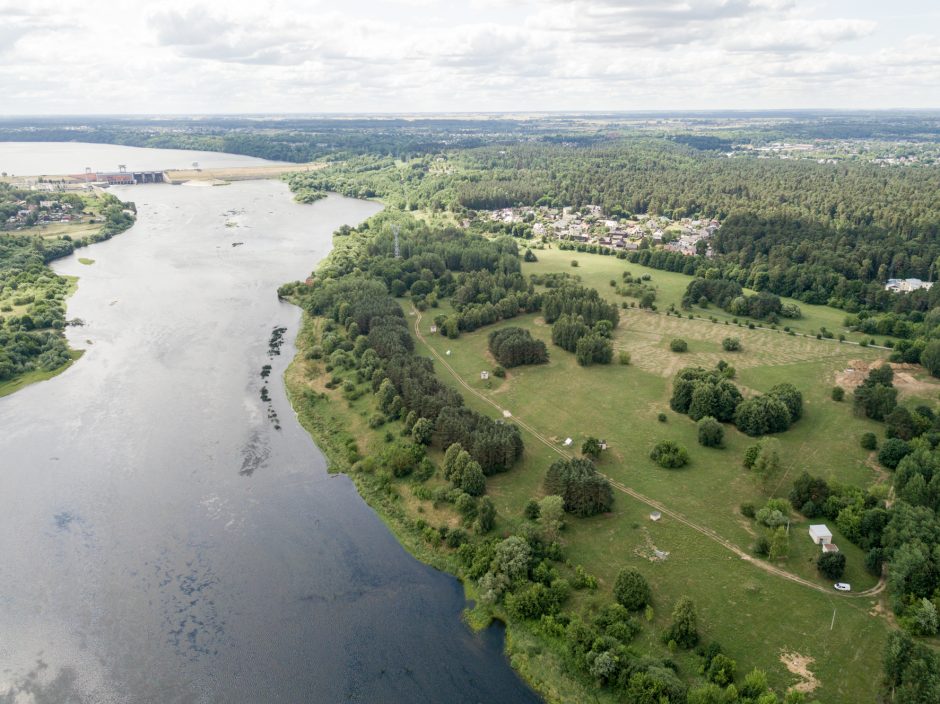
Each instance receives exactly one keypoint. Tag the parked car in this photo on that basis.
(843, 586)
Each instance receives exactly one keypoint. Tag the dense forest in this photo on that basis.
(820, 233)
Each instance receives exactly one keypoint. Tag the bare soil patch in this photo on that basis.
(799, 665)
(905, 377)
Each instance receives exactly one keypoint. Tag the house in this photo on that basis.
(820, 534)
(907, 285)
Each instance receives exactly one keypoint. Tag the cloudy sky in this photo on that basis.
(309, 56)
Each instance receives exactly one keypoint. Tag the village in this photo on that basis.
(589, 225)
(28, 214)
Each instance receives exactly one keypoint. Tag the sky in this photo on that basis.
(410, 56)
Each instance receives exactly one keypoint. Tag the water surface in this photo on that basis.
(162, 541)
(59, 158)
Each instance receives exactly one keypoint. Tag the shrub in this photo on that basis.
(531, 510)
(661, 418)
(679, 345)
(747, 509)
(831, 565)
(422, 431)
(838, 393)
(684, 627)
(631, 589)
(731, 344)
(624, 357)
(591, 447)
(892, 452)
(762, 546)
(402, 458)
(869, 441)
(710, 432)
(669, 455)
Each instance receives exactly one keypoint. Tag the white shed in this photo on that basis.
(484, 375)
(820, 534)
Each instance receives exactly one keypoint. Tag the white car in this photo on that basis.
(843, 586)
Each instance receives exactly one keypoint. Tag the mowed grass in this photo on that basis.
(756, 616)
(597, 270)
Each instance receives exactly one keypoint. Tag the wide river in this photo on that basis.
(161, 541)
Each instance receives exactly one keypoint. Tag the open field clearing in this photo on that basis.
(761, 618)
(597, 271)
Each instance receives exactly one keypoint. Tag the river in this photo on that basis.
(161, 540)
(59, 158)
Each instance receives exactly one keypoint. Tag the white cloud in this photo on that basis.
(436, 55)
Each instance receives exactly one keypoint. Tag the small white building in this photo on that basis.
(434, 328)
(907, 285)
(820, 534)
(484, 375)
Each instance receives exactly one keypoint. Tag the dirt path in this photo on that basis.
(707, 532)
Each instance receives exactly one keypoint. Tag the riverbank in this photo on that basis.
(341, 432)
(34, 298)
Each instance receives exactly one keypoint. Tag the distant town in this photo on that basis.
(590, 225)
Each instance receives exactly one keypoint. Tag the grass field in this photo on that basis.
(597, 271)
(755, 615)
(762, 619)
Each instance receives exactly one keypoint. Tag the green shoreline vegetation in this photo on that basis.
(532, 536)
(39, 227)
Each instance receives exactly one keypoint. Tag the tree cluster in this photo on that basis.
(584, 491)
(512, 347)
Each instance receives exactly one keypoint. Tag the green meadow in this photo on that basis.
(758, 617)
(808, 636)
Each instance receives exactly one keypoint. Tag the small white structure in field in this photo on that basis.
(830, 547)
(448, 353)
(484, 375)
(434, 328)
(568, 442)
(655, 516)
(820, 534)
(507, 414)
(603, 444)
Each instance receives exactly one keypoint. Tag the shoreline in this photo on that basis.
(327, 439)
(21, 381)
